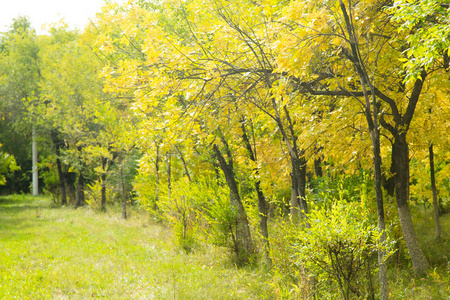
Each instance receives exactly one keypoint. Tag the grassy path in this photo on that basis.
(63, 253)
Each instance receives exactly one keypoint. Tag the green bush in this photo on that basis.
(183, 207)
(51, 183)
(7, 165)
(338, 247)
(94, 195)
(221, 218)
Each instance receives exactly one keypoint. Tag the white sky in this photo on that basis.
(76, 13)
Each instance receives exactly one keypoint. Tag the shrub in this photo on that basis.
(221, 218)
(339, 246)
(182, 207)
(94, 195)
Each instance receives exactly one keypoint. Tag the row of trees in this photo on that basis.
(260, 97)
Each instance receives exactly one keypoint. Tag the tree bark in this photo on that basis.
(400, 157)
(35, 176)
(434, 191)
(376, 150)
(298, 162)
(243, 241)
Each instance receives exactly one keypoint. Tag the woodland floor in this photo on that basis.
(66, 253)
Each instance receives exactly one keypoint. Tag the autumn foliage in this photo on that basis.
(227, 119)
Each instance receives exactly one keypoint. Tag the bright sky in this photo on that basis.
(76, 13)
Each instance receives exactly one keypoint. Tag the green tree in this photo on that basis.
(19, 92)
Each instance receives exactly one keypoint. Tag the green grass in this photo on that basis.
(63, 253)
(49, 252)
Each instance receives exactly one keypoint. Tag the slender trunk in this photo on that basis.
(318, 167)
(103, 178)
(382, 272)
(298, 175)
(243, 241)
(157, 161)
(400, 157)
(80, 191)
(123, 191)
(62, 184)
(302, 183)
(70, 179)
(299, 166)
(186, 171)
(372, 123)
(389, 183)
(263, 206)
(169, 175)
(435, 198)
(294, 209)
(35, 176)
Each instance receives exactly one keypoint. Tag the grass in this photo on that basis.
(437, 284)
(49, 252)
(63, 253)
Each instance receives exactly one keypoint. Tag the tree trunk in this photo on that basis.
(62, 184)
(294, 209)
(186, 171)
(298, 189)
(70, 179)
(302, 183)
(103, 178)
(382, 271)
(123, 191)
(169, 175)
(157, 161)
(263, 206)
(400, 157)
(35, 177)
(389, 183)
(243, 245)
(80, 191)
(298, 164)
(372, 124)
(318, 167)
(435, 199)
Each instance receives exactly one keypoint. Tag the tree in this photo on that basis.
(71, 107)
(427, 49)
(19, 92)
(357, 34)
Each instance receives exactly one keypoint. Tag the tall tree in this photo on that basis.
(19, 92)
(357, 34)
